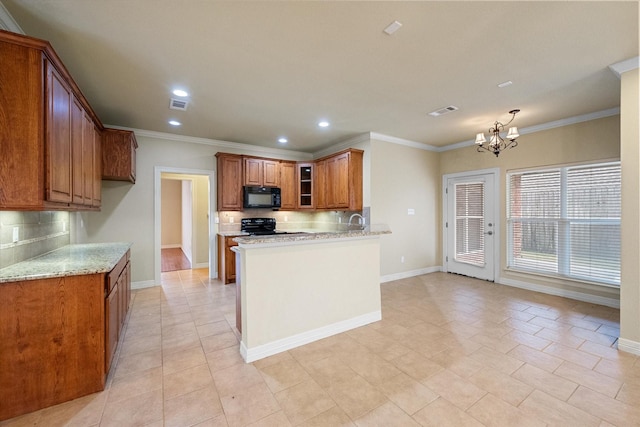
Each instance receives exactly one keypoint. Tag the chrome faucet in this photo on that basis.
(361, 220)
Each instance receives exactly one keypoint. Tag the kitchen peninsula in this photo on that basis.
(294, 289)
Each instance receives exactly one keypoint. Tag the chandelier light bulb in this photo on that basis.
(496, 142)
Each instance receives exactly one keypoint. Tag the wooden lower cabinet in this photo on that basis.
(226, 259)
(56, 335)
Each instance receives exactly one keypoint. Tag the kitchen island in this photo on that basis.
(293, 289)
(60, 319)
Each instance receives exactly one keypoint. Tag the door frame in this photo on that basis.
(157, 223)
(497, 215)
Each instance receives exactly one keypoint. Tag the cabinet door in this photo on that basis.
(58, 138)
(230, 260)
(87, 160)
(77, 152)
(338, 179)
(305, 186)
(253, 171)
(96, 194)
(288, 185)
(112, 325)
(229, 183)
(320, 184)
(270, 173)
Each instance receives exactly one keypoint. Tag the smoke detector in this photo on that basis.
(442, 111)
(178, 104)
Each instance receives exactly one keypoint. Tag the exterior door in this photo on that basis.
(470, 226)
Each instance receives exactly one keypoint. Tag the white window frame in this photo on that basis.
(563, 222)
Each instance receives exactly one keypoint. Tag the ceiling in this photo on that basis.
(260, 70)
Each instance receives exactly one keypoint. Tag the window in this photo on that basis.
(566, 222)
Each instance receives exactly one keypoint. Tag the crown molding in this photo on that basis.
(236, 147)
(7, 22)
(544, 126)
(362, 138)
(623, 66)
(401, 141)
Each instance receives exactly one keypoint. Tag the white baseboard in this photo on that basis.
(143, 284)
(407, 274)
(629, 346)
(177, 246)
(259, 352)
(580, 296)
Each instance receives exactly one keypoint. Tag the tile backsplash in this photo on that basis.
(37, 234)
(293, 220)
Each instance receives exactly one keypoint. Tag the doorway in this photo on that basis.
(194, 233)
(471, 231)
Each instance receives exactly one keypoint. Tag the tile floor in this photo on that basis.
(450, 351)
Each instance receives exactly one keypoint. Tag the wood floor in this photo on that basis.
(174, 259)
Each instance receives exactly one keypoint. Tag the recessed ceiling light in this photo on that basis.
(393, 27)
(174, 123)
(283, 140)
(180, 92)
(323, 124)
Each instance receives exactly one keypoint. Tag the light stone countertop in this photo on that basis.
(71, 260)
(306, 236)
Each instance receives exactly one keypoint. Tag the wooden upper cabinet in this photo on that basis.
(344, 180)
(288, 185)
(230, 178)
(320, 184)
(97, 167)
(41, 130)
(304, 182)
(59, 102)
(261, 172)
(119, 155)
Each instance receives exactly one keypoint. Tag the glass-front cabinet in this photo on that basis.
(305, 185)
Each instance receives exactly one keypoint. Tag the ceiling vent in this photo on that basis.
(445, 110)
(177, 104)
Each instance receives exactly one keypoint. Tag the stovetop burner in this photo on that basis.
(258, 226)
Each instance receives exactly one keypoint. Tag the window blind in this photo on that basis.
(566, 222)
(469, 207)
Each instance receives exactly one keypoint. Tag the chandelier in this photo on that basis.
(496, 142)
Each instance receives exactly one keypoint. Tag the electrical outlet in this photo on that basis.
(217, 220)
(339, 220)
(230, 220)
(402, 259)
(286, 218)
(16, 234)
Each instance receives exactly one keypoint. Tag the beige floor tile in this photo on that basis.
(496, 360)
(441, 413)
(529, 340)
(186, 381)
(386, 415)
(416, 365)
(372, 368)
(273, 360)
(550, 324)
(136, 363)
(455, 389)
(304, 401)
(562, 337)
(555, 412)
(178, 343)
(495, 412)
(236, 378)
(629, 393)
(221, 359)
(540, 379)
(219, 421)
(249, 405)
(407, 393)
(192, 408)
(278, 419)
(84, 411)
(507, 388)
(218, 342)
(501, 344)
(334, 417)
(572, 355)
(126, 387)
(592, 336)
(329, 370)
(610, 410)
(623, 368)
(213, 328)
(522, 326)
(536, 358)
(283, 375)
(355, 396)
(140, 410)
(589, 378)
(181, 360)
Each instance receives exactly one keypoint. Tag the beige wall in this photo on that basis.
(583, 142)
(630, 137)
(405, 178)
(171, 212)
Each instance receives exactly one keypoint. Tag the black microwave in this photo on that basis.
(261, 197)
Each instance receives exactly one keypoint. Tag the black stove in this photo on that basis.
(258, 226)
